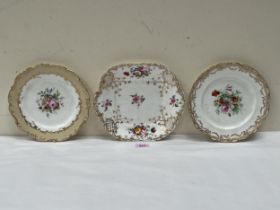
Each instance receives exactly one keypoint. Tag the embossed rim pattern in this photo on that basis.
(249, 130)
(100, 115)
(14, 100)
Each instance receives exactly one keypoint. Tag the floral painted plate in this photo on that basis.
(49, 102)
(229, 101)
(139, 102)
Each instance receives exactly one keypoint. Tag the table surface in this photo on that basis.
(183, 172)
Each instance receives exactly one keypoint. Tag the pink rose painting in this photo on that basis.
(137, 99)
(50, 101)
(138, 72)
(227, 101)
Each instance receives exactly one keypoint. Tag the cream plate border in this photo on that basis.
(251, 129)
(14, 96)
(101, 86)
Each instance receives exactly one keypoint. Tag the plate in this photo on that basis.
(229, 101)
(49, 102)
(139, 101)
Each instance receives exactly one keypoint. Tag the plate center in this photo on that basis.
(228, 102)
(49, 102)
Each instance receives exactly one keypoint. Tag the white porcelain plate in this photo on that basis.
(229, 101)
(48, 101)
(139, 101)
